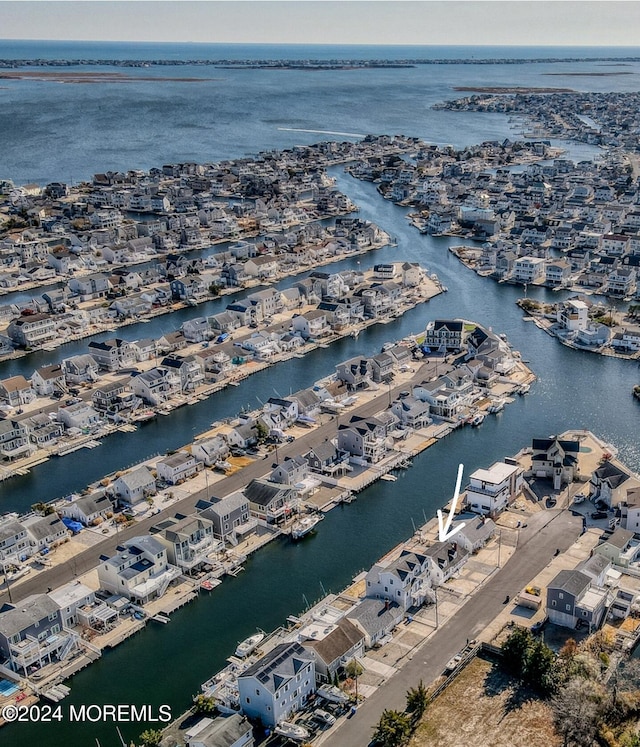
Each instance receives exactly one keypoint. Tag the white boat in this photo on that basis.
(292, 731)
(388, 478)
(524, 389)
(332, 694)
(496, 407)
(249, 645)
(355, 333)
(304, 525)
(478, 420)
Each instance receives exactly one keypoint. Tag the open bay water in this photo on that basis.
(62, 131)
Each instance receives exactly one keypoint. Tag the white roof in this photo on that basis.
(496, 474)
(70, 594)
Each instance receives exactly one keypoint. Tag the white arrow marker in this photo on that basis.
(443, 528)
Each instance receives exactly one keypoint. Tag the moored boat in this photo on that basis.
(477, 420)
(249, 645)
(301, 527)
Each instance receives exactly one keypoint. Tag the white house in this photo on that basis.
(135, 486)
(178, 467)
(492, 490)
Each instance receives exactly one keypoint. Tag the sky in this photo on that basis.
(475, 22)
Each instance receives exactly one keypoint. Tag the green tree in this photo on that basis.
(540, 667)
(354, 669)
(515, 652)
(262, 431)
(393, 729)
(417, 701)
(151, 738)
(203, 704)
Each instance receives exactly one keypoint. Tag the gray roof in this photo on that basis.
(41, 527)
(595, 564)
(376, 615)
(337, 643)
(263, 492)
(223, 731)
(228, 504)
(620, 538)
(475, 529)
(91, 504)
(138, 478)
(279, 665)
(324, 451)
(30, 610)
(572, 582)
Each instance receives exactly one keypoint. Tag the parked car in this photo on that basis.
(324, 717)
(579, 498)
(599, 515)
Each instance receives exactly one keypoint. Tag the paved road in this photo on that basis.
(537, 544)
(88, 559)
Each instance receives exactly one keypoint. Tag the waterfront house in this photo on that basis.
(114, 397)
(312, 325)
(343, 643)
(197, 330)
(627, 341)
(406, 580)
(609, 483)
(139, 570)
(14, 541)
(445, 335)
(156, 385)
(573, 314)
(376, 618)
(34, 330)
(188, 369)
(555, 459)
(42, 431)
(80, 368)
(446, 396)
(491, 490)
(225, 321)
(32, 634)
(230, 516)
(189, 540)
(262, 267)
(290, 471)
(80, 415)
(278, 413)
(445, 559)
(244, 435)
(411, 412)
(44, 532)
(144, 350)
(222, 731)
(620, 548)
(90, 287)
(326, 458)
(278, 684)
(170, 342)
(529, 269)
(49, 379)
(89, 510)
(270, 501)
(14, 439)
(630, 510)
(356, 373)
(382, 367)
(475, 533)
(365, 440)
(210, 450)
(16, 391)
(70, 598)
(113, 354)
(135, 486)
(178, 467)
(571, 597)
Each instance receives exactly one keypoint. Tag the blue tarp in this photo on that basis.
(74, 526)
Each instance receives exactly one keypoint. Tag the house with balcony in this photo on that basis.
(529, 269)
(446, 395)
(630, 510)
(365, 440)
(291, 471)
(445, 335)
(43, 431)
(573, 315)
(620, 548)
(197, 330)
(14, 440)
(405, 580)
(90, 287)
(189, 369)
(135, 486)
(80, 368)
(156, 385)
(178, 467)
(312, 325)
(382, 368)
(80, 415)
(622, 282)
(411, 412)
(189, 541)
(326, 459)
(555, 459)
(278, 684)
(113, 354)
(115, 397)
(263, 267)
(230, 516)
(627, 341)
(271, 501)
(32, 634)
(139, 569)
(491, 490)
(557, 272)
(14, 541)
(33, 330)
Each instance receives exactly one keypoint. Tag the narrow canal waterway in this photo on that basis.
(166, 664)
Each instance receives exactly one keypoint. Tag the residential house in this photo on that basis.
(70, 598)
(555, 459)
(445, 335)
(14, 439)
(44, 532)
(573, 314)
(32, 634)
(335, 650)
(475, 533)
(211, 450)
(189, 369)
(363, 439)
(230, 516)
(139, 569)
(89, 510)
(491, 490)
(80, 415)
(620, 548)
(356, 373)
(557, 272)
(189, 541)
(113, 354)
(223, 731)
(42, 431)
(90, 287)
(411, 412)
(382, 367)
(16, 391)
(263, 267)
(571, 597)
(609, 483)
(244, 435)
(376, 618)
(114, 397)
(49, 379)
(135, 486)
(445, 559)
(178, 467)
(529, 269)
(406, 580)
(278, 684)
(270, 501)
(311, 325)
(80, 368)
(291, 471)
(156, 385)
(14, 541)
(630, 510)
(197, 330)
(326, 458)
(33, 330)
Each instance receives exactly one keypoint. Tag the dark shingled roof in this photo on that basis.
(572, 582)
(337, 643)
